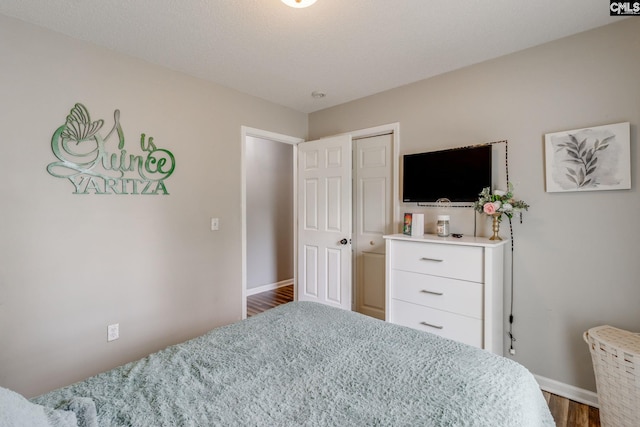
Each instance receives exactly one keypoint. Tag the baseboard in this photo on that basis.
(269, 287)
(576, 394)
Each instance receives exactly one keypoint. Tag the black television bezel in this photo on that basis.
(452, 161)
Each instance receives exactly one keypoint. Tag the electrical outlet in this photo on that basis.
(113, 332)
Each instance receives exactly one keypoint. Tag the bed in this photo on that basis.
(306, 364)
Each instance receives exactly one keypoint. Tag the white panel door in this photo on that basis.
(324, 221)
(373, 182)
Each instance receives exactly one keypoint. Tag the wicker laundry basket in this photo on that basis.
(616, 363)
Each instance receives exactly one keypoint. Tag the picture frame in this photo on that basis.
(589, 159)
(406, 226)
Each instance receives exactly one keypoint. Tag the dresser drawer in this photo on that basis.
(456, 296)
(458, 262)
(448, 325)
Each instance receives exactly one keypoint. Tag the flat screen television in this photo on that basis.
(457, 174)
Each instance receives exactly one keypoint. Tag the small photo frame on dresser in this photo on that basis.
(406, 226)
(413, 224)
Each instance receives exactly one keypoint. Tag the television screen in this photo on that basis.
(458, 174)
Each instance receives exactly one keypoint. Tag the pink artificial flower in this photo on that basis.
(489, 208)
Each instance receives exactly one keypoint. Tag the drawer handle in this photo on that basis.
(431, 326)
(424, 291)
(431, 259)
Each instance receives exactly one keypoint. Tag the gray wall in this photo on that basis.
(70, 264)
(576, 258)
(270, 220)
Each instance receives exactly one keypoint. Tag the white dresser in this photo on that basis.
(448, 286)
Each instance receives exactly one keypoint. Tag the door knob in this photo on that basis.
(344, 241)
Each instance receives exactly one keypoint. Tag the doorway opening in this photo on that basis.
(268, 211)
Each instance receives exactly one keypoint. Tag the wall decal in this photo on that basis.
(94, 165)
(590, 159)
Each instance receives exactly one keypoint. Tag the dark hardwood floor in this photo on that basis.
(566, 413)
(263, 301)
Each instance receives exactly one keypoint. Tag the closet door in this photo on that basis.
(373, 205)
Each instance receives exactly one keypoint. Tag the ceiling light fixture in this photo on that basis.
(298, 3)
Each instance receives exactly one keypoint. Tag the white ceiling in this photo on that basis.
(347, 49)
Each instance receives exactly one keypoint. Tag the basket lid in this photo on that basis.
(615, 337)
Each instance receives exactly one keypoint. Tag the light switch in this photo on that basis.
(215, 224)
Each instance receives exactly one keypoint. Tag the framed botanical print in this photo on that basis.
(589, 159)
